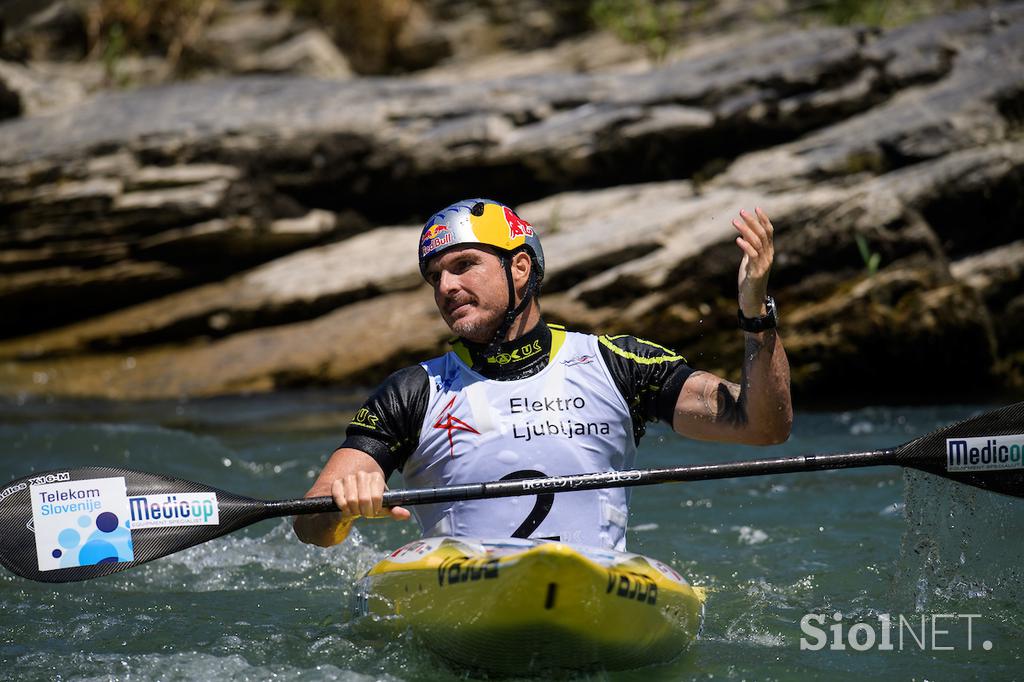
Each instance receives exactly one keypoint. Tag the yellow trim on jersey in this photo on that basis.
(463, 353)
(557, 339)
(671, 356)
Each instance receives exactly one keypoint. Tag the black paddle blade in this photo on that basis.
(986, 451)
(76, 524)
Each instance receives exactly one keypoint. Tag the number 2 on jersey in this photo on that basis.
(540, 509)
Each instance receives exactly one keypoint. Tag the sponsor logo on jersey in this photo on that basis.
(517, 354)
(578, 360)
(450, 423)
(366, 419)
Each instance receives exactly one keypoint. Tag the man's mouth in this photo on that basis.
(456, 307)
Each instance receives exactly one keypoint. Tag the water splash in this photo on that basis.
(961, 544)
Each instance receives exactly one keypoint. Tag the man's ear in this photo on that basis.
(522, 264)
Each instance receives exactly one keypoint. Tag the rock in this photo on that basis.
(417, 42)
(239, 237)
(996, 276)
(300, 286)
(239, 31)
(42, 30)
(190, 223)
(310, 53)
(713, 105)
(300, 354)
(964, 110)
(682, 291)
(477, 28)
(598, 52)
(253, 200)
(37, 91)
(10, 102)
(892, 334)
(58, 295)
(257, 37)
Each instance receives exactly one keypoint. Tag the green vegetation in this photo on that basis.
(872, 259)
(114, 50)
(649, 23)
(658, 24)
(370, 31)
(166, 28)
(885, 13)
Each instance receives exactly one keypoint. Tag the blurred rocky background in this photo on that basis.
(200, 197)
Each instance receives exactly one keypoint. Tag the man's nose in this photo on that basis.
(447, 282)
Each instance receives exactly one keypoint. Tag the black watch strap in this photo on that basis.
(759, 324)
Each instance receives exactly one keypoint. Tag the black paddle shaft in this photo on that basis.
(611, 479)
(82, 523)
(928, 453)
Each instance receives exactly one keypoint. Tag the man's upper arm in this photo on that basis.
(387, 427)
(707, 408)
(648, 376)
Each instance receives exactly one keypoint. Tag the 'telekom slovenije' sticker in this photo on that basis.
(81, 523)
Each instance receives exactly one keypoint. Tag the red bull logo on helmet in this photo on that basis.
(434, 237)
(517, 227)
(433, 231)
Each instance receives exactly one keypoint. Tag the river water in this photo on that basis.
(259, 605)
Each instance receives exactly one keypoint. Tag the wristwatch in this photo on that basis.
(759, 324)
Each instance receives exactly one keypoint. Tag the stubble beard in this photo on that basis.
(477, 331)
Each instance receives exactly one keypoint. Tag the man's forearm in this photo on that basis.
(331, 528)
(765, 401)
(755, 411)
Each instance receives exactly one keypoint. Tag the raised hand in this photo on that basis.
(757, 243)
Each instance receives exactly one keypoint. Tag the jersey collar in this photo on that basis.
(516, 359)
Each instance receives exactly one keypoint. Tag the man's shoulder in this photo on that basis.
(405, 380)
(416, 370)
(629, 347)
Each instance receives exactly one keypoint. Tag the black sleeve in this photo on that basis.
(649, 377)
(387, 427)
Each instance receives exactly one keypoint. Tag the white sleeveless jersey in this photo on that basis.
(569, 418)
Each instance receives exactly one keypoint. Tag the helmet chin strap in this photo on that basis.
(511, 313)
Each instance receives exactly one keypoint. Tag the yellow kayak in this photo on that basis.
(514, 606)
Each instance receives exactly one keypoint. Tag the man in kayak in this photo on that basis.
(518, 398)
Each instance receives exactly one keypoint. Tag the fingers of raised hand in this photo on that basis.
(749, 251)
(750, 229)
(756, 235)
(766, 224)
(755, 230)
